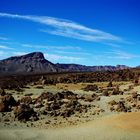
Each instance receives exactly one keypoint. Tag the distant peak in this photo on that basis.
(35, 55)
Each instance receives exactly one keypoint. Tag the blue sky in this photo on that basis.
(88, 32)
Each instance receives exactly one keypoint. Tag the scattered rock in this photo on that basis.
(110, 84)
(48, 96)
(24, 113)
(112, 103)
(6, 103)
(69, 95)
(116, 91)
(117, 106)
(2, 92)
(121, 107)
(39, 87)
(91, 88)
(3, 107)
(90, 98)
(26, 100)
(138, 106)
(134, 95)
(105, 93)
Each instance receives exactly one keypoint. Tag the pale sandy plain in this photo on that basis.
(109, 126)
(118, 127)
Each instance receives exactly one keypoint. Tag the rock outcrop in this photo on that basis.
(30, 63)
(35, 63)
(7, 102)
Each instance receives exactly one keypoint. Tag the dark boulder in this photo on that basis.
(110, 84)
(116, 91)
(105, 93)
(26, 100)
(2, 92)
(6, 103)
(121, 107)
(91, 88)
(24, 113)
(134, 95)
(3, 107)
(44, 96)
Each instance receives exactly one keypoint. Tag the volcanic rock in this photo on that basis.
(2, 92)
(24, 113)
(26, 100)
(29, 63)
(91, 88)
(6, 102)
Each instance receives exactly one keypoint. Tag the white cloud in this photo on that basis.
(51, 47)
(1, 53)
(19, 53)
(67, 28)
(113, 45)
(3, 38)
(6, 54)
(57, 58)
(51, 57)
(5, 47)
(117, 54)
(74, 53)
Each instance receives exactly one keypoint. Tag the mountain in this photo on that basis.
(35, 62)
(83, 68)
(30, 63)
(138, 67)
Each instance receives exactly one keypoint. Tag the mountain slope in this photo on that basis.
(35, 62)
(79, 68)
(30, 63)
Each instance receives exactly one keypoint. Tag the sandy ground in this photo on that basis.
(117, 127)
(105, 126)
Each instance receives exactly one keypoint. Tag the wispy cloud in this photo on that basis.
(5, 47)
(113, 45)
(67, 28)
(3, 38)
(19, 53)
(117, 54)
(73, 53)
(6, 54)
(61, 58)
(1, 52)
(55, 58)
(52, 47)
(59, 49)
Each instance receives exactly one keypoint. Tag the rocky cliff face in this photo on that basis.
(35, 62)
(79, 68)
(30, 63)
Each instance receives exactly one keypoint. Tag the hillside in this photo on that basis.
(34, 63)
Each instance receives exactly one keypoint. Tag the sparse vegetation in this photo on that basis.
(41, 101)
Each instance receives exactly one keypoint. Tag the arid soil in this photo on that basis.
(106, 128)
(97, 110)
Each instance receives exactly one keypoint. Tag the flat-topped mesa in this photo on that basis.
(33, 56)
(30, 63)
(35, 62)
(119, 67)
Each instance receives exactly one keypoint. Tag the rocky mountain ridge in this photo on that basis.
(36, 63)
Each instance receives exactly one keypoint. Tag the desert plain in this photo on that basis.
(107, 110)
